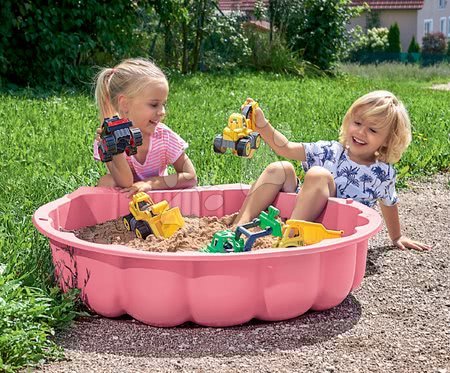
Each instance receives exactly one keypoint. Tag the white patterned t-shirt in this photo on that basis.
(164, 149)
(365, 184)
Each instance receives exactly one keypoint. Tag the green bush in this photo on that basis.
(45, 43)
(272, 55)
(413, 46)
(317, 29)
(394, 45)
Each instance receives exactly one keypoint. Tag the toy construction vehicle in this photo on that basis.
(302, 233)
(147, 217)
(117, 137)
(225, 242)
(240, 135)
(228, 241)
(266, 221)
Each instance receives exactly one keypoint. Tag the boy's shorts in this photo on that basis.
(298, 186)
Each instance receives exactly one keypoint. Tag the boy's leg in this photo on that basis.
(314, 192)
(278, 176)
(106, 181)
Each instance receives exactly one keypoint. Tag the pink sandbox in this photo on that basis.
(168, 289)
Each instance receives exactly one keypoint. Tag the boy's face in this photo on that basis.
(364, 137)
(147, 109)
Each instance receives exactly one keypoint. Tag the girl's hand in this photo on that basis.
(139, 186)
(404, 242)
(98, 131)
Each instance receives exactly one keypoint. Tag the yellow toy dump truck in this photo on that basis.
(240, 135)
(302, 233)
(147, 217)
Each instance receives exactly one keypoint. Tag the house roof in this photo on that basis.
(249, 5)
(391, 4)
(244, 5)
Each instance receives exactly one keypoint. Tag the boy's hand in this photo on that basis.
(404, 242)
(261, 121)
(139, 186)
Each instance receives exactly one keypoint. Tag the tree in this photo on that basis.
(394, 45)
(413, 46)
(315, 28)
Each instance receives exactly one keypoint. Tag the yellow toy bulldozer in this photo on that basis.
(147, 217)
(240, 134)
(302, 233)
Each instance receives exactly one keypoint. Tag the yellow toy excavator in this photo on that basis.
(302, 233)
(147, 217)
(240, 134)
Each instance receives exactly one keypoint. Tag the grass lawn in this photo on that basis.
(47, 153)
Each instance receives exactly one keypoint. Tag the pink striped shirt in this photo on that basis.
(164, 149)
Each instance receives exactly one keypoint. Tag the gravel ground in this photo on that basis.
(398, 321)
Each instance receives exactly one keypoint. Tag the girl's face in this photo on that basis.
(147, 109)
(364, 138)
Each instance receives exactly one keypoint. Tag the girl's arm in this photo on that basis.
(185, 177)
(392, 219)
(277, 141)
(120, 171)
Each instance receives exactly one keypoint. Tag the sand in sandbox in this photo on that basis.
(196, 234)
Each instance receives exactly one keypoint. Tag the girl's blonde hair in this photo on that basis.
(128, 78)
(384, 110)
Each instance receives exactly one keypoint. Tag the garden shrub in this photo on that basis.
(414, 47)
(434, 43)
(45, 43)
(317, 29)
(394, 45)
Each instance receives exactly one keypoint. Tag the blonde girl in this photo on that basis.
(374, 134)
(137, 89)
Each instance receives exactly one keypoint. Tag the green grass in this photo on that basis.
(47, 152)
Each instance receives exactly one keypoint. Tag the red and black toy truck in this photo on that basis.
(117, 137)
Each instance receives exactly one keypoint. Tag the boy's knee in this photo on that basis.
(318, 173)
(281, 169)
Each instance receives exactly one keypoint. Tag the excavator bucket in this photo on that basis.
(171, 221)
(313, 232)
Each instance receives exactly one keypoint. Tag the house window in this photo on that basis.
(448, 27)
(442, 4)
(442, 25)
(428, 26)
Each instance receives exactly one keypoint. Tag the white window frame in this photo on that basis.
(448, 27)
(442, 4)
(425, 23)
(442, 25)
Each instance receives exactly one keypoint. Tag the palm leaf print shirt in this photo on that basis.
(365, 184)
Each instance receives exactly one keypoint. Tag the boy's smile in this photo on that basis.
(364, 138)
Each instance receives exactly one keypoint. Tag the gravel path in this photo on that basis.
(398, 321)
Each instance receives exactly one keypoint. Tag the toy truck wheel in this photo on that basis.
(127, 221)
(131, 150)
(136, 136)
(104, 156)
(218, 145)
(228, 247)
(244, 147)
(109, 144)
(255, 139)
(142, 230)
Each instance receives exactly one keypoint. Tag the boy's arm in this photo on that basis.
(185, 177)
(392, 219)
(277, 141)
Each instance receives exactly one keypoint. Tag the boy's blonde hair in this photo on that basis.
(128, 78)
(385, 110)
